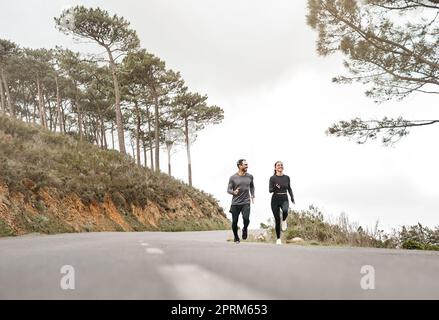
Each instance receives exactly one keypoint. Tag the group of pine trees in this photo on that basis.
(129, 92)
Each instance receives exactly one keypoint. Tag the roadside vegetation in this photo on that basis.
(314, 229)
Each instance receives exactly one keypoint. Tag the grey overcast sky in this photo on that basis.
(256, 59)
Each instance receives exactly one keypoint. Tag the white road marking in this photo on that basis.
(145, 244)
(194, 282)
(154, 251)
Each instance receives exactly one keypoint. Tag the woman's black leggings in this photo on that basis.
(277, 204)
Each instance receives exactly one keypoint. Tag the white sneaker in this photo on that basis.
(284, 225)
(278, 241)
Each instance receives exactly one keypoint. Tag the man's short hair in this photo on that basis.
(240, 161)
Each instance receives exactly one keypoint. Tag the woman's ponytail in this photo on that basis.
(275, 167)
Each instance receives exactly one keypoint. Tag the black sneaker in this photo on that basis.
(244, 234)
(237, 240)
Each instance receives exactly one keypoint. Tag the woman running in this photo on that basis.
(279, 185)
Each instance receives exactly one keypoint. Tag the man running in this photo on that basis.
(241, 187)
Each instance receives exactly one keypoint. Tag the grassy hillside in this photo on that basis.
(51, 183)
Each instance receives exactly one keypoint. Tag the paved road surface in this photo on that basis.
(203, 265)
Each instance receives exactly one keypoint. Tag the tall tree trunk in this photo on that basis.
(79, 113)
(99, 128)
(104, 133)
(27, 108)
(58, 106)
(41, 110)
(97, 135)
(85, 128)
(99, 132)
(63, 118)
(156, 131)
(55, 121)
(132, 146)
(119, 119)
(188, 150)
(50, 126)
(151, 154)
(27, 113)
(144, 152)
(168, 149)
(136, 106)
(150, 140)
(8, 93)
(105, 140)
(2, 98)
(112, 135)
(101, 138)
(34, 114)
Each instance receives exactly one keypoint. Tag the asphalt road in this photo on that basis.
(203, 265)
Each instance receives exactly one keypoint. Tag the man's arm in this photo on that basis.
(230, 187)
(252, 189)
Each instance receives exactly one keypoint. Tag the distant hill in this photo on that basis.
(52, 183)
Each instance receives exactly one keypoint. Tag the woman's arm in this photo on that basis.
(271, 185)
(290, 191)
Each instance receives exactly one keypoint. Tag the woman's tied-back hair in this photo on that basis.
(239, 162)
(275, 166)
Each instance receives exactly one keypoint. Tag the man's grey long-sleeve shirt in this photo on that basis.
(246, 187)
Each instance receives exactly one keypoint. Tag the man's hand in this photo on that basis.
(236, 191)
(253, 200)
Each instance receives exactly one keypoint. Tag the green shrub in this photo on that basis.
(412, 245)
(431, 247)
(5, 230)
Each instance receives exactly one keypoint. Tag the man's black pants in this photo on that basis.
(235, 210)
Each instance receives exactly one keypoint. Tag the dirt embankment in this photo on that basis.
(46, 211)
